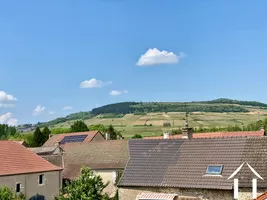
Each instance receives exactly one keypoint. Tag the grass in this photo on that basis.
(135, 124)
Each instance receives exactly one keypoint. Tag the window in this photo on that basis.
(214, 169)
(18, 187)
(41, 179)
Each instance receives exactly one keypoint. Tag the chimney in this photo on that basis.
(262, 129)
(187, 133)
(166, 135)
(57, 144)
(107, 136)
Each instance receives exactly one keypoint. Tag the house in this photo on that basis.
(80, 137)
(106, 158)
(25, 172)
(197, 168)
(54, 154)
(213, 134)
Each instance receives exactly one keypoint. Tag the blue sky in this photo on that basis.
(60, 57)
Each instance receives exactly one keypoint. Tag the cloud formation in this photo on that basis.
(51, 112)
(94, 83)
(155, 57)
(38, 110)
(6, 100)
(4, 97)
(117, 93)
(67, 108)
(8, 119)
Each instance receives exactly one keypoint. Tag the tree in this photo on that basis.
(87, 187)
(79, 126)
(7, 194)
(46, 132)
(38, 138)
(112, 132)
(137, 136)
(97, 127)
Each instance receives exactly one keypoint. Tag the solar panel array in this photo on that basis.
(73, 138)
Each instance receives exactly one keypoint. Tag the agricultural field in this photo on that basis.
(151, 124)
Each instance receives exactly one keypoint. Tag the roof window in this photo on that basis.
(214, 170)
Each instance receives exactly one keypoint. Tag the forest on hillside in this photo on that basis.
(141, 108)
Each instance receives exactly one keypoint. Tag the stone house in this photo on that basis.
(195, 168)
(106, 158)
(79, 137)
(25, 172)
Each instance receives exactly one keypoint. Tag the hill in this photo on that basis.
(148, 118)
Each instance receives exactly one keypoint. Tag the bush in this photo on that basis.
(137, 136)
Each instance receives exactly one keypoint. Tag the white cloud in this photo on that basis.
(51, 112)
(155, 56)
(38, 110)
(117, 93)
(94, 83)
(8, 119)
(4, 97)
(67, 108)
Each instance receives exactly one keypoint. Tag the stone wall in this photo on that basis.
(201, 194)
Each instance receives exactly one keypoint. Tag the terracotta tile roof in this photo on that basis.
(17, 159)
(111, 154)
(262, 197)
(59, 137)
(159, 196)
(182, 163)
(216, 134)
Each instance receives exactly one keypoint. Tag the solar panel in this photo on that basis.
(73, 138)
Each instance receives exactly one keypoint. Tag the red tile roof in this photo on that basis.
(262, 197)
(59, 137)
(216, 134)
(17, 159)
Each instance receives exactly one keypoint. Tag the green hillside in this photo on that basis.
(147, 118)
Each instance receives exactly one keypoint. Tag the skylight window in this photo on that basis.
(214, 170)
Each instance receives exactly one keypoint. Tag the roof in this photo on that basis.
(159, 196)
(54, 159)
(43, 150)
(59, 137)
(216, 134)
(262, 197)
(17, 159)
(183, 163)
(111, 154)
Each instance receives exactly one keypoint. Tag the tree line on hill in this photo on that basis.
(141, 108)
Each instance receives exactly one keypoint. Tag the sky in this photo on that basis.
(60, 57)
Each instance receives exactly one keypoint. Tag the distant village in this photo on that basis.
(187, 166)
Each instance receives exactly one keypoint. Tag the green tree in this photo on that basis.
(79, 126)
(46, 132)
(112, 132)
(7, 194)
(87, 187)
(38, 138)
(136, 136)
(97, 127)
(60, 130)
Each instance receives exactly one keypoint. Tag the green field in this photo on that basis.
(151, 124)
